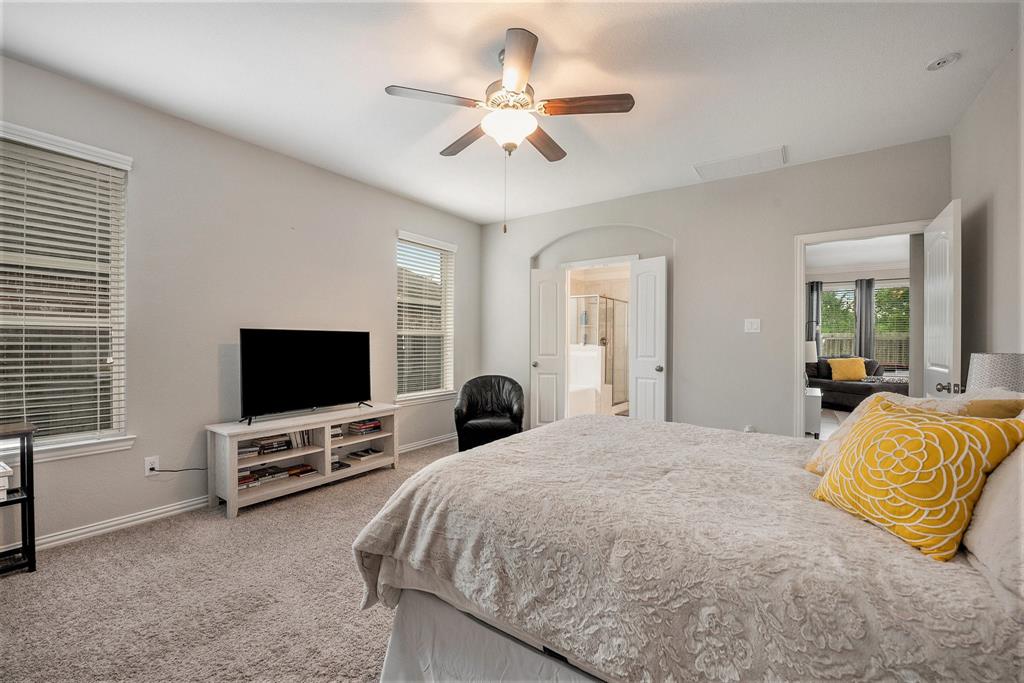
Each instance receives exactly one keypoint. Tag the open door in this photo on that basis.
(942, 303)
(547, 346)
(648, 337)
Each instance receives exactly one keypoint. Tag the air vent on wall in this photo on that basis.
(758, 162)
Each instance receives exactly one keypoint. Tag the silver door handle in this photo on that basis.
(940, 387)
(534, 364)
(658, 368)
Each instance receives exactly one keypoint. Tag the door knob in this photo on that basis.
(534, 364)
(940, 387)
(658, 368)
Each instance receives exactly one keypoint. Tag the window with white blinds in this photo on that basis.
(426, 319)
(892, 325)
(62, 299)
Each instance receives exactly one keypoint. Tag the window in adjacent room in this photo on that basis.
(62, 293)
(838, 319)
(426, 312)
(892, 325)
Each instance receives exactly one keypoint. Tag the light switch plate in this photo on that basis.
(752, 325)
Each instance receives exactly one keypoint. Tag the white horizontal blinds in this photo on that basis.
(892, 324)
(838, 319)
(62, 309)
(426, 312)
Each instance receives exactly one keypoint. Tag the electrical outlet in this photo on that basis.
(152, 463)
(752, 325)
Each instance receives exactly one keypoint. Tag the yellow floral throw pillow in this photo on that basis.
(918, 473)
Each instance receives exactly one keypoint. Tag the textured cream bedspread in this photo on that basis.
(660, 551)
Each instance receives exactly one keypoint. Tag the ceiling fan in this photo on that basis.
(512, 106)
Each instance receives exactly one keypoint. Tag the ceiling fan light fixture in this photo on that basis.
(509, 127)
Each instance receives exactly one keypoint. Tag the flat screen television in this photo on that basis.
(289, 370)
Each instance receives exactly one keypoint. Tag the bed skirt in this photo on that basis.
(433, 641)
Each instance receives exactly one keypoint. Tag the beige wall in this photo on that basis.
(732, 259)
(222, 234)
(985, 169)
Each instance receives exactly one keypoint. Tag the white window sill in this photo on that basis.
(71, 449)
(432, 397)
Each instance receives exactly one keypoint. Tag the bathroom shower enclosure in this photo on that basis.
(596, 320)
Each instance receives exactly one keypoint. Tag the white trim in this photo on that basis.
(840, 270)
(598, 262)
(72, 449)
(426, 397)
(54, 143)
(427, 241)
(405, 448)
(123, 522)
(800, 293)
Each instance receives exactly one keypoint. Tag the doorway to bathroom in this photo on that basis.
(599, 339)
(597, 351)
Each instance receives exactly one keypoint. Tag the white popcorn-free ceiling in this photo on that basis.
(711, 81)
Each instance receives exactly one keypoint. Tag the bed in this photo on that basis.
(662, 551)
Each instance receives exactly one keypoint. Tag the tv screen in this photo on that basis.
(287, 370)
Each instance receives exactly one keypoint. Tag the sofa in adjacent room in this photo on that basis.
(846, 395)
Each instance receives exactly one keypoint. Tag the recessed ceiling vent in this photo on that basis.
(758, 162)
(944, 61)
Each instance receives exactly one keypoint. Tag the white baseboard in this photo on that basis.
(125, 521)
(108, 525)
(405, 448)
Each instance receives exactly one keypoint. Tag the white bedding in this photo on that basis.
(659, 551)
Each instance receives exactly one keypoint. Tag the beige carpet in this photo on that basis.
(270, 596)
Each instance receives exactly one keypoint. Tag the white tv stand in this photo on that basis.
(223, 462)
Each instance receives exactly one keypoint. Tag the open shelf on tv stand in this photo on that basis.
(224, 462)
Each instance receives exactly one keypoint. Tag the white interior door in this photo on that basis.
(648, 337)
(942, 303)
(547, 346)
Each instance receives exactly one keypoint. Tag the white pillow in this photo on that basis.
(828, 451)
(994, 534)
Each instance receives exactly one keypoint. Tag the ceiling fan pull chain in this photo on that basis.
(504, 222)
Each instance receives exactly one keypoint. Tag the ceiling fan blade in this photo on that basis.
(545, 145)
(520, 46)
(439, 97)
(462, 143)
(590, 104)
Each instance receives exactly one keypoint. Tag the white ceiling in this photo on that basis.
(892, 251)
(711, 81)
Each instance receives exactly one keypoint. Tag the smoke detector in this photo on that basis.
(944, 61)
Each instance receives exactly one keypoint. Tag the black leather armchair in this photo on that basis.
(489, 408)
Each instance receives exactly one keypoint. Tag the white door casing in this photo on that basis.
(942, 303)
(547, 346)
(648, 338)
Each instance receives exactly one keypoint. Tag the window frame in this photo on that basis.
(447, 390)
(893, 283)
(91, 441)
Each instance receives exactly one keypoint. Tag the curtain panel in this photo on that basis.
(813, 331)
(864, 305)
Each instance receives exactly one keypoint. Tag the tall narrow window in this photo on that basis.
(426, 317)
(62, 317)
(838, 319)
(892, 325)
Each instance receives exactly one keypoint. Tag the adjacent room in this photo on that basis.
(429, 341)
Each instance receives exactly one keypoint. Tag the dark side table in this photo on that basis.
(24, 556)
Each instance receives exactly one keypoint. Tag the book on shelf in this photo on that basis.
(303, 470)
(260, 475)
(364, 454)
(364, 427)
(339, 465)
